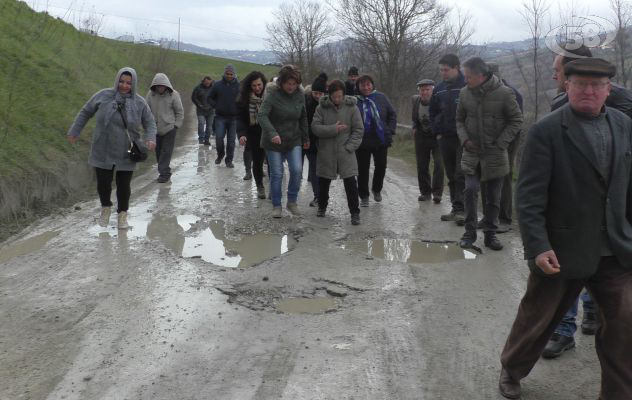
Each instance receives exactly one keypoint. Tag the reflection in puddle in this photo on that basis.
(411, 251)
(26, 246)
(318, 305)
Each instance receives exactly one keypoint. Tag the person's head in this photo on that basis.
(449, 66)
(319, 86)
(588, 84)
(206, 81)
(125, 83)
(161, 89)
(254, 83)
(425, 88)
(337, 92)
(365, 85)
(353, 74)
(229, 72)
(289, 78)
(476, 72)
(560, 61)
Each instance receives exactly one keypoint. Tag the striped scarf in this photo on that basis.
(253, 108)
(371, 115)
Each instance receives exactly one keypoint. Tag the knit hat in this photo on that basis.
(230, 68)
(353, 71)
(320, 83)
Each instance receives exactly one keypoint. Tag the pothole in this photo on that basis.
(410, 251)
(26, 246)
(318, 305)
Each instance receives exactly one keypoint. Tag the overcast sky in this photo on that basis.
(240, 24)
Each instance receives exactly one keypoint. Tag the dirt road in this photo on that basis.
(207, 297)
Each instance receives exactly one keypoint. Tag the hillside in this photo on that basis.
(48, 70)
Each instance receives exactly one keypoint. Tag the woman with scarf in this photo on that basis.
(248, 128)
(121, 115)
(380, 122)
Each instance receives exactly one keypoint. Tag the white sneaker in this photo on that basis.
(104, 219)
(122, 220)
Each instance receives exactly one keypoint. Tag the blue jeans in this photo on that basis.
(311, 173)
(568, 326)
(294, 159)
(205, 126)
(225, 126)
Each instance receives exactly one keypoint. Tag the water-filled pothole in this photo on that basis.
(411, 251)
(299, 305)
(26, 246)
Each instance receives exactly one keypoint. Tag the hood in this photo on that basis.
(325, 101)
(488, 86)
(132, 71)
(161, 79)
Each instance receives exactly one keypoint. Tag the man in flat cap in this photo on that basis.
(426, 146)
(574, 204)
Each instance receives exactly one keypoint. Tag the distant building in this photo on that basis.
(126, 38)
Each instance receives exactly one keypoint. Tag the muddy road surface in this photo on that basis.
(207, 297)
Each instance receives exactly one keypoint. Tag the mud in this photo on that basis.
(26, 246)
(411, 251)
(307, 306)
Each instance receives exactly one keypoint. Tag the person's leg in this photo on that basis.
(422, 157)
(363, 155)
(123, 189)
(491, 207)
(104, 185)
(275, 166)
(611, 288)
(380, 156)
(323, 191)
(157, 149)
(437, 174)
(506, 197)
(210, 125)
(295, 167)
(220, 133)
(472, 187)
(459, 177)
(166, 151)
(311, 173)
(448, 154)
(247, 161)
(231, 132)
(351, 189)
(258, 155)
(541, 309)
(201, 125)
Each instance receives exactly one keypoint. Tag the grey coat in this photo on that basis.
(563, 200)
(167, 107)
(490, 117)
(109, 140)
(336, 151)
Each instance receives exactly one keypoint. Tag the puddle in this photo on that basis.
(26, 246)
(411, 251)
(318, 305)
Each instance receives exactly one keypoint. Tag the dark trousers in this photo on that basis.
(506, 195)
(225, 127)
(255, 155)
(363, 155)
(425, 148)
(545, 303)
(312, 178)
(164, 150)
(247, 159)
(491, 206)
(451, 152)
(351, 189)
(123, 187)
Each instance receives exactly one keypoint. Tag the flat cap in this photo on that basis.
(425, 82)
(590, 66)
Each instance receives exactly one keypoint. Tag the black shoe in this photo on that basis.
(448, 217)
(557, 345)
(314, 202)
(479, 224)
(436, 199)
(508, 386)
(207, 143)
(377, 196)
(200, 141)
(218, 160)
(355, 219)
(467, 242)
(459, 218)
(229, 164)
(364, 201)
(320, 212)
(248, 176)
(423, 197)
(590, 323)
(163, 179)
(492, 242)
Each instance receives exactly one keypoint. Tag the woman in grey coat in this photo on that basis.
(338, 125)
(110, 142)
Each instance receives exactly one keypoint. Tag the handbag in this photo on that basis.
(137, 151)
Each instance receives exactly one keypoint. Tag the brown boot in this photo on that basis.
(508, 386)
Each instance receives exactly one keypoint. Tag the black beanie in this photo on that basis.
(353, 71)
(320, 83)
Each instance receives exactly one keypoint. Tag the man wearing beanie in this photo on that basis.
(312, 96)
(350, 84)
(223, 98)
(574, 204)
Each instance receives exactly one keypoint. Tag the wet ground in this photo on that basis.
(207, 297)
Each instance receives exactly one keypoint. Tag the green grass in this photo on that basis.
(48, 70)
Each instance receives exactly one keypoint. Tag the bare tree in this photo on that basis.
(300, 28)
(533, 12)
(623, 16)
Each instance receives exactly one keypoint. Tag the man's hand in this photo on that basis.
(414, 133)
(548, 263)
(468, 144)
(150, 145)
(340, 127)
(72, 139)
(242, 141)
(276, 139)
(306, 146)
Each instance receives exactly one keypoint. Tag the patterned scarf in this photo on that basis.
(371, 115)
(253, 108)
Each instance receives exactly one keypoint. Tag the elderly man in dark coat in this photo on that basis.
(574, 204)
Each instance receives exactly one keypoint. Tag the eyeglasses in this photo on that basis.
(583, 85)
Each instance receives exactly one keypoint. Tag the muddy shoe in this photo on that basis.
(492, 242)
(448, 217)
(122, 220)
(320, 212)
(467, 242)
(557, 345)
(436, 199)
(314, 202)
(248, 176)
(508, 386)
(162, 179)
(364, 201)
(218, 160)
(277, 212)
(377, 196)
(355, 219)
(104, 219)
(229, 164)
(423, 197)
(293, 208)
(261, 192)
(459, 218)
(590, 323)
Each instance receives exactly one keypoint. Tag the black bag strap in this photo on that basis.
(119, 107)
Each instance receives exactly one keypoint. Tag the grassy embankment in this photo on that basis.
(48, 70)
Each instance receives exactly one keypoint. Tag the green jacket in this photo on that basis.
(490, 117)
(336, 151)
(284, 115)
